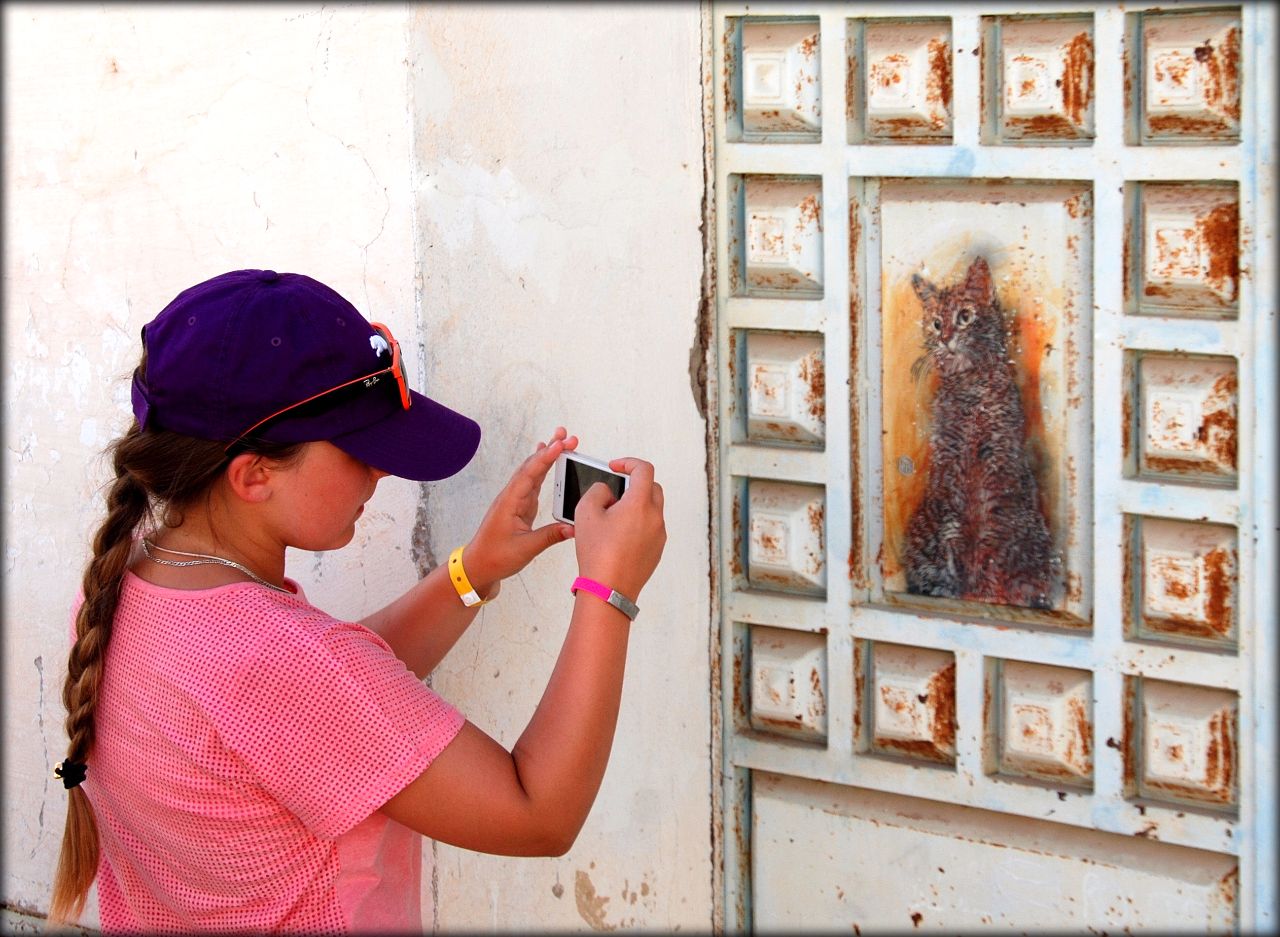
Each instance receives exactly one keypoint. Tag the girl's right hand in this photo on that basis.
(619, 542)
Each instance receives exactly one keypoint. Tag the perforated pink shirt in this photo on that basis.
(244, 743)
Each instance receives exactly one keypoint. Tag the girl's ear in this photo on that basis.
(249, 477)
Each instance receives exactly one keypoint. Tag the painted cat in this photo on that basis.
(979, 532)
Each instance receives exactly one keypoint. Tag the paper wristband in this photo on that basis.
(613, 597)
(458, 576)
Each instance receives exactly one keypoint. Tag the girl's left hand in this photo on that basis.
(506, 541)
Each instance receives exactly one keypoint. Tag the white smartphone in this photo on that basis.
(575, 474)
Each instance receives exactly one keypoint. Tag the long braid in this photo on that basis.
(155, 469)
(127, 505)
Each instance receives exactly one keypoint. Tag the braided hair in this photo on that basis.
(156, 473)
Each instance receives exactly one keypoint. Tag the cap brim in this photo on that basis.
(427, 442)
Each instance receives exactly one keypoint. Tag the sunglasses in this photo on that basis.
(329, 398)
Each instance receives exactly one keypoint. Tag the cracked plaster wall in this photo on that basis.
(517, 191)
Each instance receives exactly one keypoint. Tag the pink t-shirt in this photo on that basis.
(245, 742)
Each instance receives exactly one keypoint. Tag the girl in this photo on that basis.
(240, 760)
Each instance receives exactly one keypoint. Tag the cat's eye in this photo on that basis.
(937, 325)
(965, 316)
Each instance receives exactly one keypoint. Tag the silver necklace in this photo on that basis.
(204, 559)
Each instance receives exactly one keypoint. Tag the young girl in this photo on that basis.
(240, 760)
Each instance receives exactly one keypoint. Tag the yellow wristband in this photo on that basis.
(458, 576)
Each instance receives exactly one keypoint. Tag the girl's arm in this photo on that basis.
(534, 799)
(423, 624)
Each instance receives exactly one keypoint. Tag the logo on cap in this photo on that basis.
(379, 345)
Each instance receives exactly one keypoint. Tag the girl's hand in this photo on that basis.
(505, 542)
(619, 542)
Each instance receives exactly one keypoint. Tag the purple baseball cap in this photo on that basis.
(236, 349)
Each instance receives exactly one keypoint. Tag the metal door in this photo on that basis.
(997, 643)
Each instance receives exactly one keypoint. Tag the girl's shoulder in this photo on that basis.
(244, 615)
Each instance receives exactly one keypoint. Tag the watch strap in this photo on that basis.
(612, 596)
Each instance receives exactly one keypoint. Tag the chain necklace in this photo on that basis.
(204, 559)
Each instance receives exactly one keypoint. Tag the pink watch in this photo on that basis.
(612, 596)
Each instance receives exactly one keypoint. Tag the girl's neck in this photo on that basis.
(228, 538)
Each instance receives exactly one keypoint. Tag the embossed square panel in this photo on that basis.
(785, 388)
(913, 700)
(1187, 745)
(1187, 417)
(788, 679)
(1190, 77)
(1189, 247)
(781, 90)
(905, 80)
(1046, 725)
(782, 232)
(1045, 88)
(1186, 579)
(786, 537)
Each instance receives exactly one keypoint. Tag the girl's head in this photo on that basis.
(249, 362)
(259, 355)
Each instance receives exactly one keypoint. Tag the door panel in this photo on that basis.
(991, 426)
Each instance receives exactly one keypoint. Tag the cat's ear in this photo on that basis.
(924, 289)
(977, 283)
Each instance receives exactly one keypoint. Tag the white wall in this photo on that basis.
(518, 190)
(559, 155)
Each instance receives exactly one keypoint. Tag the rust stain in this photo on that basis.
(810, 213)
(814, 376)
(850, 80)
(817, 520)
(1126, 271)
(1182, 124)
(1126, 420)
(730, 69)
(938, 86)
(942, 692)
(857, 572)
(735, 557)
(1128, 740)
(1077, 78)
(1221, 73)
(1217, 432)
(818, 708)
(1079, 749)
(1229, 887)
(1219, 231)
(1043, 125)
(809, 46)
(739, 703)
(1218, 588)
(859, 691)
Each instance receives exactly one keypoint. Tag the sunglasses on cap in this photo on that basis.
(330, 397)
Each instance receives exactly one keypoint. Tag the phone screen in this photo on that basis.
(579, 477)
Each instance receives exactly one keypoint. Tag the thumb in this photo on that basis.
(594, 500)
(551, 534)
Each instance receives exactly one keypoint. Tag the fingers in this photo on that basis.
(640, 471)
(533, 470)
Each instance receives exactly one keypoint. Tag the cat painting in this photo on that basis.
(979, 532)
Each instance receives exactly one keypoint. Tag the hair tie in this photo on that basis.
(70, 773)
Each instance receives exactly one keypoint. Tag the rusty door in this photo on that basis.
(996, 391)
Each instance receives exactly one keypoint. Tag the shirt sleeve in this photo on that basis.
(333, 724)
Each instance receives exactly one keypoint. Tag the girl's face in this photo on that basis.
(323, 493)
